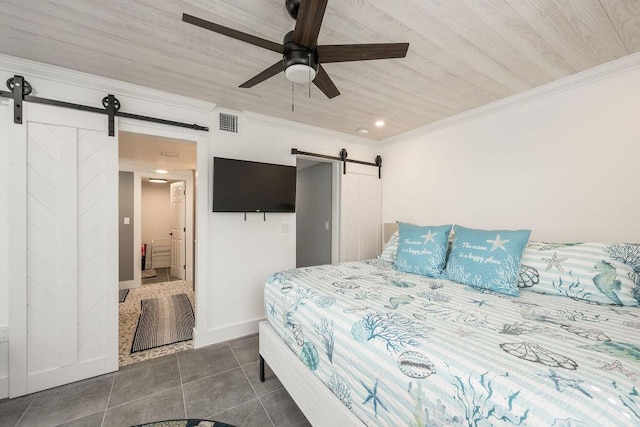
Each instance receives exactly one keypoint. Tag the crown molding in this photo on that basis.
(619, 66)
(28, 68)
(279, 123)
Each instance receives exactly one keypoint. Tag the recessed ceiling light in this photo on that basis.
(362, 131)
(161, 171)
(158, 180)
(380, 123)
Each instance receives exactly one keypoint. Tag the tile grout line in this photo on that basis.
(184, 400)
(25, 410)
(104, 416)
(143, 397)
(251, 385)
(233, 407)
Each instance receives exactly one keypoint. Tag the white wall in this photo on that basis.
(243, 254)
(156, 212)
(567, 166)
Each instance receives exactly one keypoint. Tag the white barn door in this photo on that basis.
(70, 328)
(360, 215)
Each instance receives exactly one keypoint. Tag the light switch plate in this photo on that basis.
(126, 220)
(4, 333)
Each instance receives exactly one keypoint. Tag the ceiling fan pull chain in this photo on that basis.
(309, 68)
(292, 108)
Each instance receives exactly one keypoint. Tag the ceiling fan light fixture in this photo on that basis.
(300, 73)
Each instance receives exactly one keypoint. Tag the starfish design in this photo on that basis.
(616, 365)
(429, 237)
(562, 383)
(479, 302)
(497, 243)
(373, 397)
(554, 261)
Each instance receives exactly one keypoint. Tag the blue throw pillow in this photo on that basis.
(422, 250)
(487, 259)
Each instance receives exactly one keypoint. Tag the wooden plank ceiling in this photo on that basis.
(462, 54)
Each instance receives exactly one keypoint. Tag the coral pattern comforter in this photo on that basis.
(405, 350)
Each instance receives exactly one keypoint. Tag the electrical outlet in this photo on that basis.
(4, 333)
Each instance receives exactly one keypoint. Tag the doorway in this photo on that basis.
(160, 252)
(316, 212)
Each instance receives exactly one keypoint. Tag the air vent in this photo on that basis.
(228, 123)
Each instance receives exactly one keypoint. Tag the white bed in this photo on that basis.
(532, 360)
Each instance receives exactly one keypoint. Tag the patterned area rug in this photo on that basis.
(163, 321)
(149, 273)
(129, 314)
(186, 423)
(123, 294)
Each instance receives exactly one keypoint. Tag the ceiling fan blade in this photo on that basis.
(276, 68)
(325, 84)
(308, 22)
(234, 34)
(360, 52)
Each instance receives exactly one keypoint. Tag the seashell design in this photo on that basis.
(419, 316)
(415, 365)
(309, 355)
(345, 285)
(359, 331)
(324, 301)
(631, 324)
(592, 334)
(298, 335)
(399, 284)
(286, 287)
(528, 276)
(535, 353)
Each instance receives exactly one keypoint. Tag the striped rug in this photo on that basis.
(163, 321)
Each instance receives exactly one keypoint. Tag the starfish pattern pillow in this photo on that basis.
(422, 250)
(487, 259)
(602, 273)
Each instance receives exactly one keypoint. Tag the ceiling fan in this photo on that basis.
(301, 55)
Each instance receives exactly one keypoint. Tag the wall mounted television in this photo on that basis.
(244, 186)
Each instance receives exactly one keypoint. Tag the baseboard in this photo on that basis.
(128, 284)
(202, 338)
(4, 387)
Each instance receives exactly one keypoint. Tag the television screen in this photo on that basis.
(243, 186)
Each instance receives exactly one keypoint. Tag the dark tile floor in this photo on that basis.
(218, 382)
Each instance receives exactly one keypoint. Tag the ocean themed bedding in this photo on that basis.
(403, 349)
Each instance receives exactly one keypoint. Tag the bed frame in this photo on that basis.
(317, 402)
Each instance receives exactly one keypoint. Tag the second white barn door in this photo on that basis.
(178, 230)
(66, 327)
(360, 215)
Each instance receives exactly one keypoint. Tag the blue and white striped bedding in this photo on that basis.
(400, 349)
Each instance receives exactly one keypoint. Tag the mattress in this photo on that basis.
(403, 349)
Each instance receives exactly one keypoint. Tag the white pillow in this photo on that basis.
(391, 249)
